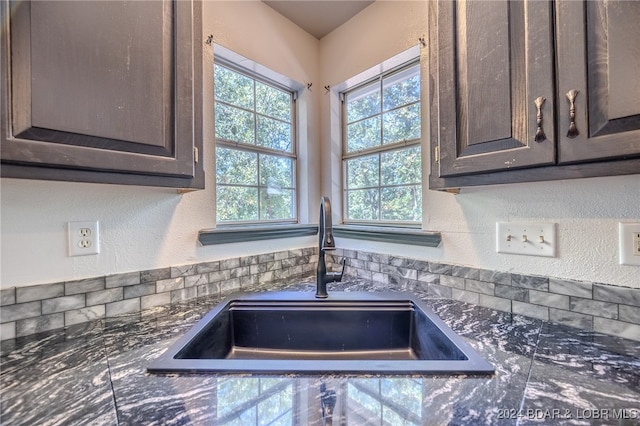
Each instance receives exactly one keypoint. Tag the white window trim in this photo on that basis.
(253, 67)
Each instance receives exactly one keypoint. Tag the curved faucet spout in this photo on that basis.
(325, 226)
(325, 242)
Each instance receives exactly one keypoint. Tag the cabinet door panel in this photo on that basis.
(102, 86)
(92, 86)
(605, 73)
(489, 61)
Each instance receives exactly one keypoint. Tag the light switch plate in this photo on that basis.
(629, 241)
(531, 239)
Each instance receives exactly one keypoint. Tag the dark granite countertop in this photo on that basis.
(96, 374)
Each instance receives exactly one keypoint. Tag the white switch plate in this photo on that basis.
(532, 239)
(84, 238)
(629, 238)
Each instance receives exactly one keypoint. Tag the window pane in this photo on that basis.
(363, 102)
(362, 204)
(233, 88)
(401, 166)
(234, 124)
(401, 124)
(362, 172)
(236, 167)
(363, 134)
(402, 203)
(276, 203)
(401, 88)
(274, 134)
(236, 203)
(273, 102)
(276, 172)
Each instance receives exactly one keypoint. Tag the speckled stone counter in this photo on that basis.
(96, 374)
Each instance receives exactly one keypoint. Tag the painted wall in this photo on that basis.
(587, 211)
(145, 228)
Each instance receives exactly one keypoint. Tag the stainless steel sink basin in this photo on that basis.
(293, 332)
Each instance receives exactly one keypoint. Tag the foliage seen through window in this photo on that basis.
(382, 155)
(255, 155)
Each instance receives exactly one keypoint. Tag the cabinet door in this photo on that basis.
(103, 86)
(598, 47)
(489, 62)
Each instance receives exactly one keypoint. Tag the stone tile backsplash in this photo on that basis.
(590, 306)
(38, 308)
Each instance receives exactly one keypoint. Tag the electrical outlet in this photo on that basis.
(84, 238)
(532, 239)
(629, 241)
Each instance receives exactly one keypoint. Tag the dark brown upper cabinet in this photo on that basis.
(600, 61)
(509, 79)
(490, 61)
(103, 91)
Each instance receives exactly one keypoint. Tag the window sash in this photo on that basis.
(259, 187)
(360, 91)
(257, 78)
(379, 189)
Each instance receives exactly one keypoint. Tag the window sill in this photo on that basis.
(240, 234)
(416, 237)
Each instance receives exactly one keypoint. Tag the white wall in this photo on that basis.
(587, 211)
(145, 228)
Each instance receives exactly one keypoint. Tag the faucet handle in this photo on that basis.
(335, 277)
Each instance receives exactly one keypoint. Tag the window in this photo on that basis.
(255, 148)
(381, 149)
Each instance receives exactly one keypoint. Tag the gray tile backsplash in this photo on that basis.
(121, 280)
(599, 307)
(39, 292)
(590, 306)
(33, 309)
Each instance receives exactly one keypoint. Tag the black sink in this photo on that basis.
(293, 332)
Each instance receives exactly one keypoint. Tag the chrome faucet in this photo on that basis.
(326, 242)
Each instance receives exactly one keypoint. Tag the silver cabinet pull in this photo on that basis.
(540, 136)
(573, 130)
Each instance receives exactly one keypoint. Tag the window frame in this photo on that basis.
(379, 150)
(257, 149)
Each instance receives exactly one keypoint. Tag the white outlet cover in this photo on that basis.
(530, 239)
(84, 238)
(626, 232)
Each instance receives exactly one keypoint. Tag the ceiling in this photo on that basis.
(318, 18)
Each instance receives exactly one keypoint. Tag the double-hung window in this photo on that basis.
(255, 148)
(381, 149)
